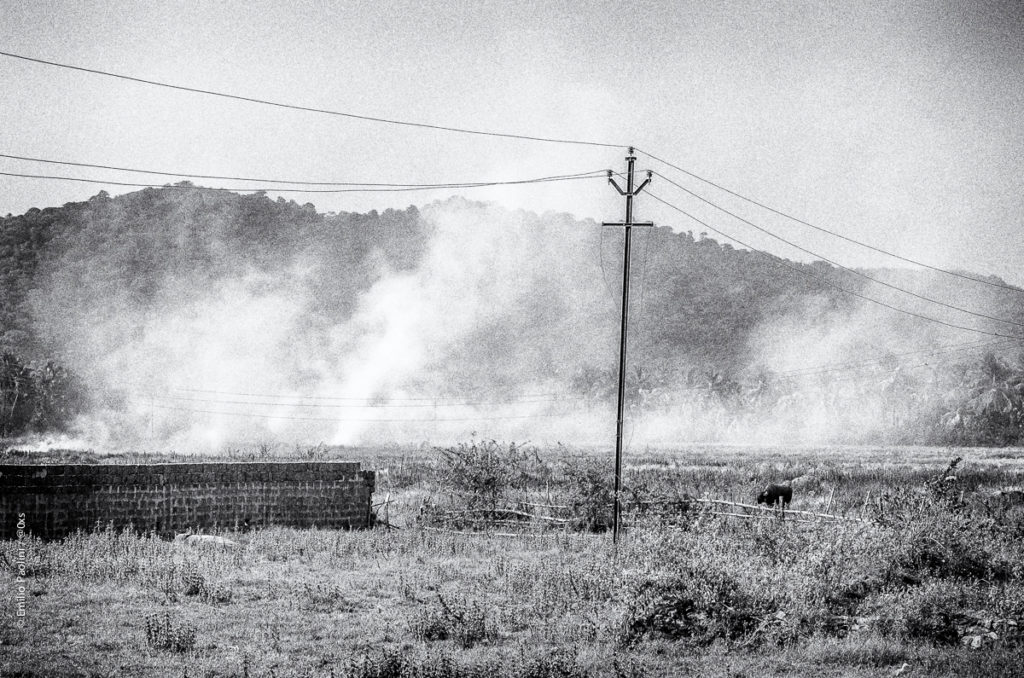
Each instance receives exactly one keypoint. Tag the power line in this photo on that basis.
(789, 375)
(331, 406)
(310, 109)
(837, 264)
(502, 135)
(829, 232)
(902, 366)
(338, 420)
(794, 375)
(967, 346)
(596, 174)
(841, 367)
(191, 175)
(828, 282)
(351, 399)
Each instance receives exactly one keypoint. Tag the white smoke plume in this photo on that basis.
(482, 332)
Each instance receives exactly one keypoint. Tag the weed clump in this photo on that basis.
(698, 604)
(929, 612)
(189, 581)
(460, 620)
(162, 633)
(392, 663)
(589, 493)
(324, 597)
(485, 474)
(486, 484)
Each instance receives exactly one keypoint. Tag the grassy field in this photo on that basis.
(925, 573)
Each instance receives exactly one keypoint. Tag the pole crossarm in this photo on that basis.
(623, 223)
(615, 184)
(636, 191)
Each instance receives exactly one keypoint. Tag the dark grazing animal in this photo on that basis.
(774, 495)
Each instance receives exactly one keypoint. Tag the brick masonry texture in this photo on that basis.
(60, 499)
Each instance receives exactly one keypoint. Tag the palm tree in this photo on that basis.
(15, 395)
(988, 402)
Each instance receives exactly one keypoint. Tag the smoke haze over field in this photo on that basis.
(200, 320)
(187, 353)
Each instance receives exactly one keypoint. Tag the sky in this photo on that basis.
(898, 124)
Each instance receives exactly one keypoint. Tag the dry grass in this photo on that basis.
(693, 594)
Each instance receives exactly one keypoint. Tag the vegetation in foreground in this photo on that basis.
(930, 574)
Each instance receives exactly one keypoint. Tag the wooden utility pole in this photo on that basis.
(628, 224)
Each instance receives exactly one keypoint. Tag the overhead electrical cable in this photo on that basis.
(830, 232)
(524, 137)
(801, 271)
(331, 406)
(341, 420)
(311, 109)
(840, 367)
(948, 348)
(793, 375)
(368, 188)
(356, 399)
(192, 175)
(837, 264)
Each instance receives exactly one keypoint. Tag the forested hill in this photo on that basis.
(218, 290)
(109, 251)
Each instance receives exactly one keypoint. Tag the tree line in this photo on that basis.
(37, 397)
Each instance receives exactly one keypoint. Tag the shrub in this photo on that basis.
(590, 493)
(951, 545)
(389, 663)
(37, 397)
(555, 664)
(698, 604)
(485, 473)
(456, 619)
(189, 581)
(498, 483)
(323, 597)
(929, 612)
(164, 634)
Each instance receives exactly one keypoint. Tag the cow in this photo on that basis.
(776, 495)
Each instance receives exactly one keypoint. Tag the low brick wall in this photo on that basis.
(168, 498)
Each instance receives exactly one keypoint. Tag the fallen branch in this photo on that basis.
(485, 534)
(755, 516)
(788, 511)
(507, 512)
(754, 507)
(554, 506)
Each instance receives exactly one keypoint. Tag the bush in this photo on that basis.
(928, 613)
(164, 634)
(390, 663)
(43, 397)
(456, 619)
(484, 474)
(189, 581)
(698, 604)
(591, 493)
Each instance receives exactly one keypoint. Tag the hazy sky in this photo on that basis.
(898, 123)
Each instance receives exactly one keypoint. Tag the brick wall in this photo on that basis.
(168, 498)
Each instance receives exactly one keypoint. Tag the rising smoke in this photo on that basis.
(202, 321)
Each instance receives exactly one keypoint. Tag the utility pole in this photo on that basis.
(628, 224)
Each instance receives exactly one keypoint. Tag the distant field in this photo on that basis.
(920, 570)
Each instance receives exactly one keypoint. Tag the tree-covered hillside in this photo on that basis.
(181, 289)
